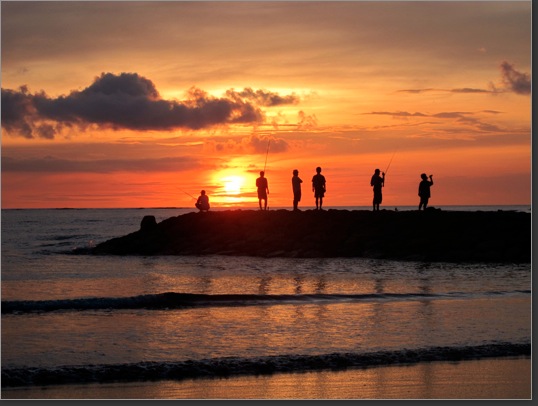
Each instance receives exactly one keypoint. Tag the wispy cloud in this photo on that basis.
(512, 81)
(461, 90)
(130, 101)
(463, 117)
(253, 144)
(51, 164)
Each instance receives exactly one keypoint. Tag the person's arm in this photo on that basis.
(431, 179)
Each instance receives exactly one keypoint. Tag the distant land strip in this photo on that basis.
(432, 235)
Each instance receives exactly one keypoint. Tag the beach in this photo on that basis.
(500, 378)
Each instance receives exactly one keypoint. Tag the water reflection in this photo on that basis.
(263, 288)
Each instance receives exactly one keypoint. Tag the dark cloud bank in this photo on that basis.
(130, 101)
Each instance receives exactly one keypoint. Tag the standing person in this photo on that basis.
(424, 190)
(377, 182)
(202, 203)
(263, 189)
(319, 187)
(296, 186)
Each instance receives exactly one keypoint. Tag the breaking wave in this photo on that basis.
(172, 300)
(230, 366)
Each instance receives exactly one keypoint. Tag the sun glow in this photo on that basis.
(233, 188)
(233, 184)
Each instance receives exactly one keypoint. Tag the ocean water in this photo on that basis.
(76, 319)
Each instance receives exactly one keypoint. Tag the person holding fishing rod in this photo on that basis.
(263, 189)
(377, 182)
(262, 184)
(202, 203)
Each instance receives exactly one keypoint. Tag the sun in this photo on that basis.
(233, 184)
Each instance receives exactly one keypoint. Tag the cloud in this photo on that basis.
(50, 164)
(512, 81)
(464, 117)
(306, 122)
(398, 114)
(518, 82)
(253, 144)
(263, 98)
(460, 90)
(130, 101)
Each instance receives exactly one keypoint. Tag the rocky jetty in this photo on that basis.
(431, 235)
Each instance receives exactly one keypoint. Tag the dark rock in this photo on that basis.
(148, 223)
(431, 235)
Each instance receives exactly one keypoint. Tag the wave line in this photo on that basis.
(173, 300)
(234, 366)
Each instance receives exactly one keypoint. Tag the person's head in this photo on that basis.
(377, 171)
(295, 172)
(424, 176)
(203, 192)
(262, 173)
(318, 169)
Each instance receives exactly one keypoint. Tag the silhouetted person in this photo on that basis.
(263, 189)
(377, 182)
(424, 190)
(296, 186)
(202, 203)
(319, 187)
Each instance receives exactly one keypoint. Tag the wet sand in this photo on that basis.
(500, 378)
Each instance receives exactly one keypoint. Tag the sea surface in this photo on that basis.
(81, 319)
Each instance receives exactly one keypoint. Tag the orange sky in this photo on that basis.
(142, 104)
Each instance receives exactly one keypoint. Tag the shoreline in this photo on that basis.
(432, 235)
(495, 378)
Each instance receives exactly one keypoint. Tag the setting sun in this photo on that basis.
(233, 184)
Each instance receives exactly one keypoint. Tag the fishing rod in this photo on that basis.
(186, 193)
(266, 155)
(388, 166)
